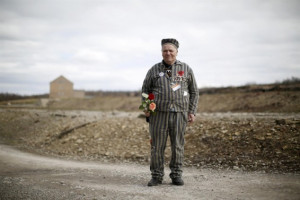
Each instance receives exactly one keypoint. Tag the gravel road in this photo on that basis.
(29, 176)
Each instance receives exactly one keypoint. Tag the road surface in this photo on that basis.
(29, 176)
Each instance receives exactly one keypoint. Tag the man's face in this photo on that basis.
(169, 53)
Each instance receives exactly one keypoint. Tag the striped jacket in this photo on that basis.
(178, 93)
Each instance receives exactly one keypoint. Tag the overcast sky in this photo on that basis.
(111, 44)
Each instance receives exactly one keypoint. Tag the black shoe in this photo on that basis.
(154, 182)
(177, 181)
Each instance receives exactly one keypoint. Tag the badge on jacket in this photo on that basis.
(175, 86)
(179, 78)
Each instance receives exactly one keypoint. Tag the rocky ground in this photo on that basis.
(240, 141)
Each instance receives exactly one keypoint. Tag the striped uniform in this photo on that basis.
(175, 97)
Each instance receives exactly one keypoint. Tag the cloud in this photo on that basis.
(110, 45)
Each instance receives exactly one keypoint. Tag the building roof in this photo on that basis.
(61, 79)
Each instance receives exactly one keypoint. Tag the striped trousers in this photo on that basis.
(161, 125)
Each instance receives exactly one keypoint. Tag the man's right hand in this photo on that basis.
(147, 114)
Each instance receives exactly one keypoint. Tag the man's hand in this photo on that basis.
(147, 114)
(191, 118)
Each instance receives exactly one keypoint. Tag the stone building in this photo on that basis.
(63, 88)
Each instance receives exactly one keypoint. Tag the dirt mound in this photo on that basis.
(219, 140)
(272, 101)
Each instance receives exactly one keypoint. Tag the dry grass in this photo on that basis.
(20, 102)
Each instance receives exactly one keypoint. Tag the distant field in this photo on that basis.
(283, 101)
(257, 98)
(20, 101)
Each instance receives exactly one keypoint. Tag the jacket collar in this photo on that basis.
(163, 64)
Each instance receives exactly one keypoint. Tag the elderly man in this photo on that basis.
(176, 96)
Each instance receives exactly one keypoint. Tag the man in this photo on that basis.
(176, 96)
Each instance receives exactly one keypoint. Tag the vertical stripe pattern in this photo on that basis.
(185, 99)
(172, 107)
(162, 125)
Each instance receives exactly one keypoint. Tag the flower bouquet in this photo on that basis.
(148, 104)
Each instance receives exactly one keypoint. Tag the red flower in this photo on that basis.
(180, 73)
(151, 96)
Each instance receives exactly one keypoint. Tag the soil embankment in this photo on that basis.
(241, 141)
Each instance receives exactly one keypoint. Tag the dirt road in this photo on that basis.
(28, 176)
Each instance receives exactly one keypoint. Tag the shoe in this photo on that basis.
(154, 182)
(177, 181)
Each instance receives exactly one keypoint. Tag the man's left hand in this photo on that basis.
(191, 118)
